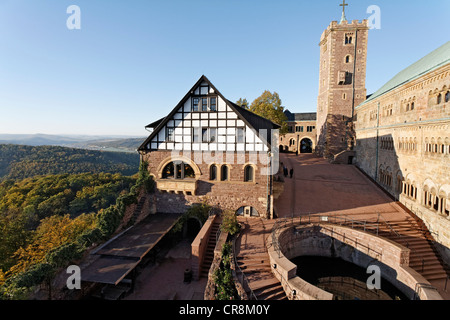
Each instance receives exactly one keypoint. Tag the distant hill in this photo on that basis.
(120, 145)
(107, 143)
(20, 161)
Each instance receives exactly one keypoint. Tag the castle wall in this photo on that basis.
(292, 141)
(232, 194)
(403, 143)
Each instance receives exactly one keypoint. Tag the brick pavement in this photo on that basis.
(318, 187)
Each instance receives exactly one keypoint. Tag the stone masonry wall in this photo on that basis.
(232, 194)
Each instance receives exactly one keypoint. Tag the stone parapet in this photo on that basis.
(338, 241)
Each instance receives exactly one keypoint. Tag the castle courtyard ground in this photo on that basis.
(317, 187)
(320, 188)
(329, 189)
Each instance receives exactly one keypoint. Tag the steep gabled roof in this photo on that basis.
(254, 121)
(432, 61)
(155, 124)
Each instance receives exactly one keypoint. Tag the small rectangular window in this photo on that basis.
(240, 135)
(213, 104)
(204, 104)
(195, 104)
(212, 134)
(204, 90)
(195, 135)
(204, 135)
(170, 134)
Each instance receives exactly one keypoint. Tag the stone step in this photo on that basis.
(253, 261)
(427, 260)
(436, 276)
(275, 292)
(267, 280)
(252, 256)
(255, 268)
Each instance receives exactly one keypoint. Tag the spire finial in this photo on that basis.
(343, 5)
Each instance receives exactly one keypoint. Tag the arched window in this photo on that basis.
(168, 171)
(178, 170)
(348, 59)
(412, 106)
(224, 174)
(247, 211)
(447, 96)
(213, 172)
(439, 98)
(248, 173)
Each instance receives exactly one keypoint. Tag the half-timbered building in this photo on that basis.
(210, 149)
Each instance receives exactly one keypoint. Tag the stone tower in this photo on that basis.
(343, 55)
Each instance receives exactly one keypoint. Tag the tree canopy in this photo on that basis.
(20, 162)
(243, 103)
(268, 106)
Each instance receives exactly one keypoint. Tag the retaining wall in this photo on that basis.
(357, 247)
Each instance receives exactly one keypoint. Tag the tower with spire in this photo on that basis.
(342, 79)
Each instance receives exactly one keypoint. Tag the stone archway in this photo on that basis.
(306, 145)
(192, 227)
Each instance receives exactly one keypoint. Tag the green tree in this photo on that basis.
(268, 106)
(230, 223)
(243, 103)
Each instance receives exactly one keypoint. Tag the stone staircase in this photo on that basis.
(413, 234)
(209, 254)
(262, 282)
(137, 211)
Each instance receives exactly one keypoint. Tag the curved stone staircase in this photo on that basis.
(412, 233)
(253, 261)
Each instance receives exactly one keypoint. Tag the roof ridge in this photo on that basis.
(435, 59)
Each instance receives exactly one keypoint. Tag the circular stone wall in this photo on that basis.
(357, 247)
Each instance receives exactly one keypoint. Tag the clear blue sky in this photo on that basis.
(132, 61)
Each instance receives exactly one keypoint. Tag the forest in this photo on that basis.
(21, 161)
(54, 204)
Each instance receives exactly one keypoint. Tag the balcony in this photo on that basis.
(179, 186)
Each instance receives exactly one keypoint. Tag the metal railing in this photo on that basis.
(282, 223)
(244, 282)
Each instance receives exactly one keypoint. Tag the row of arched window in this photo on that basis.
(437, 146)
(387, 143)
(222, 173)
(181, 170)
(385, 178)
(438, 97)
(431, 145)
(407, 144)
(431, 199)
